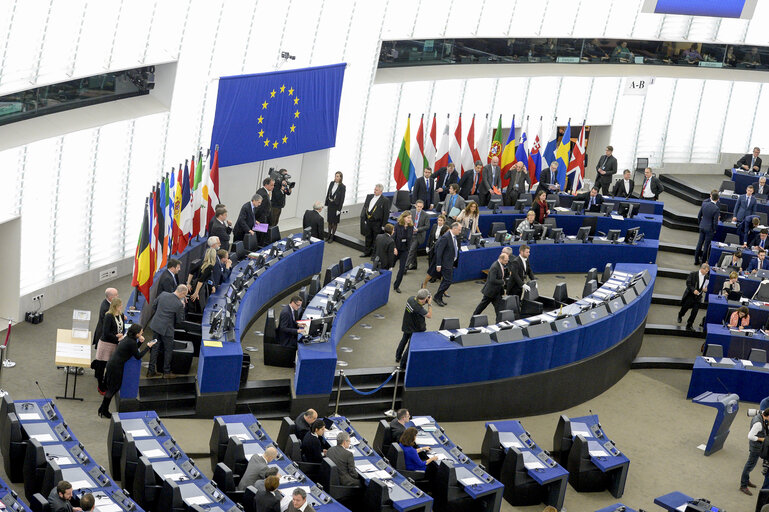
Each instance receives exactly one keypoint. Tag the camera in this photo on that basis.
(752, 412)
(282, 179)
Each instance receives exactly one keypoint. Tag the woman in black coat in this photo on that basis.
(111, 334)
(439, 228)
(126, 349)
(404, 230)
(334, 203)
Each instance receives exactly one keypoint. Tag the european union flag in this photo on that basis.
(271, 115)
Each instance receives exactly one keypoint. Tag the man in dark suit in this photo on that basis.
(169, 280)
(288, 328)
(279, 193)
(265, 499)
(623, 187)
(314, 445)
(247, 218)
(446, 256)
(222, 268)
(760, 188)
(109, 294)
(344, 460)
(494, 288)
(651, 188)
(421, 225)
(470, 183)
(547, 179)
(746, 206)
(257, 468)
(220, 227)
(605, 170)
(398, 425)
(491, 177)
(60, 498)
(299, 501)
(303, 422)
(519, 183)
(758, 263)
(384, 248)
(759, 240)
(696, 287)
(168, 312)
(443, 178)
(424, 189)
(593, 200)
(373, 218)
(750, 162)
(312, 219)
(520, 272)
(708, 223)
(263, 212)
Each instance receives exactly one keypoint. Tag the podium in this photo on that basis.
(727, 405)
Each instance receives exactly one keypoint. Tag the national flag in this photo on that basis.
(161, 219)
(522, 151)
(575, 173)
(177, 222)
(191, 181)
(496, 148)
(142, 275)
(548, 154)
(197, 195)
(443, 149)
(509, 152)
(211, 189)
(153, 231)
(185, 220)
(203, 200)
(455, 147)
(403, 166)
(482, 142)
(562, 155)
(168, 212)
(468, 161)
(417, 155)
(431, 149)
(535, 158)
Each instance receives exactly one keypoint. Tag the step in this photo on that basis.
(683, 190)
(270, 414)
(353, 242)
(164, 388)
(666, 300)
(677, 216)
(676, 248)
(370, 417)
(257, 389)
(673, 273)
(673, 330)
(662, 363)
(679, 226)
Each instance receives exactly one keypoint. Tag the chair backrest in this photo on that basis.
(287, 427)
(559, 293)
(315, 285)
(592, 222)
(473, 198)
(592, 274)
(553, 197)
(293, 448)
(235, 456)
(329, 474)
(403, 200)
(270, 333)
(550, 221)
(396, 457)
(304, 295)
(732, 239)
(479, 321)
(728, 315)
(273, 234)
(533, 293)
(223, 478)
(250, 242)
(757, 355)
(762, 218)
(515, 226)
(345, 265)
(607, 270)
(497, 226)
(512, 302)
(449, 324)
(506, 315)
(590, 287)
(726, 185)
(641, 164)
(382, 433)
(713, 350)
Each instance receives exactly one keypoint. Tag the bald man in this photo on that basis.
(109, 294)
(491, 177)
(257, 468)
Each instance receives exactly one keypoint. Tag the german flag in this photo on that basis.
(142, 275)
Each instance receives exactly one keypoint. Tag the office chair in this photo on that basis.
(315, 286)
(287, 427)
(403, 200)
(553, 197)
(641, 164)
(727, 316)
(448, 494)
(506, 315)
(129, 459)
(473, 198)
(382, 438)
(561, 295)
(294, 452)
(250, 243)
(348, 495)
(13, 447)
(584, 475)
(516, 224)
(607, 271)
(592, 222)
(492, 452)
(398, 461)
(35, 462)
(757, 355)
(562, 440)
(497, 226)
(146, 489)
(377, 497)
(520, 488)
(762, 218)
(225, 480)
(479, 321)
(726, 186)
(714, 351)
(249, 495)
(39, 503)
(181, 360)
(530, 305)
(115, 440)
(217, 443)
(512, 303)
(590, 287)
(592, 274)
(448, 324)
(345, 265)
(550, 221)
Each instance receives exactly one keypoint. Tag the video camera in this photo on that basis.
(283, 180)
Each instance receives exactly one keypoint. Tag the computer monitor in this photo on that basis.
(583, 234)
(258, 260)
(348, 283)
(320, 326)
(613, 235)
(464, 234)
(556, 234)
(540, 231)
(307, 233)
(520, 204)
(527, 235)
(607, 208)
(628, 210)
(578, 206)
(475, 239)
(337, 294)
(376, 264)
(495, 204)
(229, 295)
(631, 235)
(500, 236)
(550, 203)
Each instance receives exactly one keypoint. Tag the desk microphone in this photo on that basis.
(41, 390)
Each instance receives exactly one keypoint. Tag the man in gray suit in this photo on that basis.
(491, 177)
(298, 502)
(270, 471)
(344, 460)
(257, 468)
(421, 225)
(168, 312)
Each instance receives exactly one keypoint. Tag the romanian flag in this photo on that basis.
(142, 275)
(508, 152)
(403, 167)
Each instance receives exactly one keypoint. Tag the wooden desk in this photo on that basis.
(72, 352)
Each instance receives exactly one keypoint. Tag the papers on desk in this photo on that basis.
(512, 443)
(561, 209)
(425, 440)
(365, 467)
(103, 504)
(745, 362)
(200, 499)
(530, 461)
(682, 508)
(617, 217)
(379, 473)
(462, 331)
(138, 433)
(43, 438)
(61, 461)
(465, 248)
(175, 476)
(73, 351)
(418, 421)
(598, 453)
(213, 344)
(242, 437)
(26, 416)
(154, 454)
(471, 480)
(580, 429)
(80, 333)
(81, 484)
(446, 334)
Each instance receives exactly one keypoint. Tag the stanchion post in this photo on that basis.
(3, 392)
(338, 393)
(391, 413)
(7, 363)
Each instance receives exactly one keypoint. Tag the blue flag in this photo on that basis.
(271, 115)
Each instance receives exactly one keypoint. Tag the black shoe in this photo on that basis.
(104, 414)
(397, 359)
(331, 239)
(433, 280)
(412, 267)
(680, 319)
(439, 302)
(447, 295)
(365, 255)
(152, 374)
(690, 327)
(397, 290)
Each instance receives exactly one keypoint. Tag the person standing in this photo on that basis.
(453, 200)
(519, 183)
(279, 193)
(111, 334)
(471, 181)
(436, 232)
(756, 437)
(539, 207)
(696, 287)
(520, 272)
(109, 294)
(491, 178)
(651, 188)
(168, 311)
(746, 205)
(446, 257)
(547, 182)
(384, 248)
(707, 217)
(624, 187)
(417, 309)
(421, 225)
(424, 190)
(373, 217)
(220, 227)
(605, 169)
(444, 178)
(494, 288)
(264, 210)
(334, 203)
(312, 219)
(404, 232)
(469, 218)
(247, 218)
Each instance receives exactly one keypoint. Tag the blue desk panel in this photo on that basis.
(434, 360)
(672, 501)
(718, 307)
(742, 179)
(749, 382)
(748, 284)
(603, 463)
(613, 508)
(734, 344)
(716, 250)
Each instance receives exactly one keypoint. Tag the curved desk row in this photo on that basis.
(718, 306)
(316, 362)
(718, 248)
(725, 375)
(735, 343)
(748, 283)
(742, 179)
(445, 379)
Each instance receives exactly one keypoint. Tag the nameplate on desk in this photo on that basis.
(757, 368)
(213, 344)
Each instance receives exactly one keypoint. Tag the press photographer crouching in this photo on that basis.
(283, 188)
(757, 447)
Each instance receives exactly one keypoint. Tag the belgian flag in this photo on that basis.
(142, 275)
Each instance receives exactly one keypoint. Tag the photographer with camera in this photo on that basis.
(757, 447)
(283, 188)
(413, 321)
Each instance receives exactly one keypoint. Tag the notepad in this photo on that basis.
(174, 476)
(197, 500)
(471, 480)
(426, 440)
(62, 461)
(380, 474)
(29, 416)
(154, 454)
(420, 420)
(43, 438)
(365, 468)
(81, 484)
(215, 344)
(138, 433)
(530, 461)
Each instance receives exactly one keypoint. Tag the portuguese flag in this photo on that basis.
(403, 167)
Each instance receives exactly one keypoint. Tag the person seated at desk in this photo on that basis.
(692, 55)
(731, 285)
(298, 502)
(257, 468)
(267, 500)
(453, 200)
(314, 445)
(87, 502)
(527, 223)
(758, 263)
(740, 319)
(303, 422)
(411, 452)
(539, 206)
(759, 240)
(750, 162)
(344, 460)
(223, 267)
(592, 199)
(469, 218)
(760, 188)
(734, 261)
(271, 471)
(288, 327)
(60, 498)
(398, 425)
(623, 187)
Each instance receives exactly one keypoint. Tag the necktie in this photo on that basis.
(761, 244)
(417, 222)
(427, 186)
(592, 200)
(445, 178)
(472, 192)
(454, 239)
(643, 191)
(451, 206)
(752, 162)
(176, 282)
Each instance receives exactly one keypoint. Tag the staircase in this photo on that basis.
(168, 397)
(366, 407)
(265, 399)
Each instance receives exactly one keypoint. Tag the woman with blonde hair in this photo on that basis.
(204, 276)
(112, 332)
(403, 233)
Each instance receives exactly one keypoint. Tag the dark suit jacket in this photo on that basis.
(291, 508)
(59, 505)
(545, 180)
(444, 251)
(264, 210)
(755, 266)
(377, 218)
(466, 184)
(442, 180)
(459, 203)
(692, 280)
(334, 203)
(256, 470)
(742, 210)
(610, 167)
(166, 283)
(424, 191)
(586, 197)
(619, 189)
(755, 239)
(220, 273)
(266, 502)
(708, 216)
(402, 236)
(422, 226)
(245, 221)
(109, 329)
(486, 184)
(384, 247)
(287, 327)
(396, 430)
(655, 185)
(431, 241)
(168, 312)
(302, 427)
(521, 179)
(495, 282)
(745, 160)
(345, 463)
(103, 308)
(313, 219)
(538, 209)
(312, 448)
(764, 192)
(517, 275)
(222, 230)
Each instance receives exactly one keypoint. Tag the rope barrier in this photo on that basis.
(373, 390)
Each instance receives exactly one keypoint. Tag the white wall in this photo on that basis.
(10, 234)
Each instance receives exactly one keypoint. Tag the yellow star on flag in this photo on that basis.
(261, 133)
(282, 88)
(260, 119)
(291, 92)
(293, 127)
(272, 93)
(275, 145)
(296, 114)
(266, 142)
(264, 105)
(285, 139)
(296, 101)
